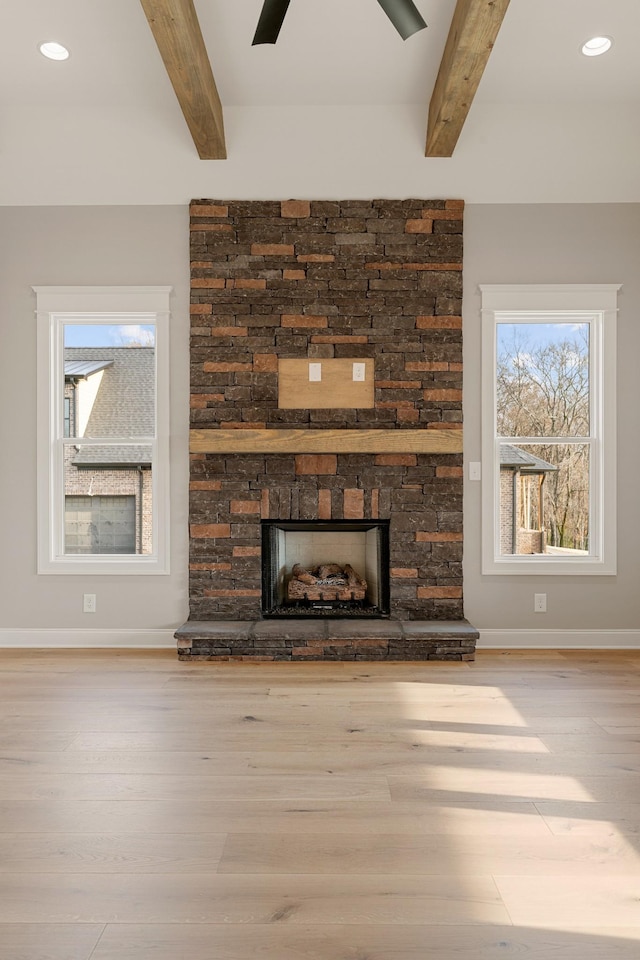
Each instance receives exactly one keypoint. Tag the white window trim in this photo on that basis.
(596, 303)
(130, 305)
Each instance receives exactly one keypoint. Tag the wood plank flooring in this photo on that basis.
(157, 810)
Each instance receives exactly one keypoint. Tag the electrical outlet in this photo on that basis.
(89, 603)
(359, 372)
(539, 603)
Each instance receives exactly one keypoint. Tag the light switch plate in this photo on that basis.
(315, 372)
(475, 470)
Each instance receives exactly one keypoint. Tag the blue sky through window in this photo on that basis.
(108, 335)
(539, 335)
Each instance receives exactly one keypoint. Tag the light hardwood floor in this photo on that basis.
(156, 810)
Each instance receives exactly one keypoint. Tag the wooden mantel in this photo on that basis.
(326, 441)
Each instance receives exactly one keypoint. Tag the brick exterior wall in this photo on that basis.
(507, 507)
(526, 541)
(378, 279)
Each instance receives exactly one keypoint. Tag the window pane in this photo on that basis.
(544, 499)
(109, 380)
(542, 379)
(108, 499)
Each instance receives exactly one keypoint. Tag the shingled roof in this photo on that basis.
(512, 456)
(124, 405)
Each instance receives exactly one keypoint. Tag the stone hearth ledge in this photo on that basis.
(291, 639)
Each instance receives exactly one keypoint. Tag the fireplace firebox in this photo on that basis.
(322, 568)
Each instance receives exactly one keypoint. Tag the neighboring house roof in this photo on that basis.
(124, 404)
(75, 369)
(519, 459)
(107, 456)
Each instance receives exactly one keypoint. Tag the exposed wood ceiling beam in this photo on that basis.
(473, 32)
(175, 27)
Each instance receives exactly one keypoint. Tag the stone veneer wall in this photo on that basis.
(300, 279)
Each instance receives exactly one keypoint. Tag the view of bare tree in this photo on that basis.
(543, 392)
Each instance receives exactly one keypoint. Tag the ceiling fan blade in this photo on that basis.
(271, 19)
(404, 15)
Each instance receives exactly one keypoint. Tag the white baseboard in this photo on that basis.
(559, 640)
(163, 639)
(77, 639)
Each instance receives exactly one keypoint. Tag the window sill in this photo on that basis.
(93, 565)
(549, 567)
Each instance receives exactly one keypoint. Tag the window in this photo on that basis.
(549, 458)
(103, 429)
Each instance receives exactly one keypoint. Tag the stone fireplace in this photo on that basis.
(326, 395)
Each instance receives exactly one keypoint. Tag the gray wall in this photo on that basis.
(149, 245)
(84, 245)
(557, 243)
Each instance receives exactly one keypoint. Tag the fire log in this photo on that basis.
(316, 584)
(299, 573)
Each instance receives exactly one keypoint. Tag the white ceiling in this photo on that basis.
(336, 108)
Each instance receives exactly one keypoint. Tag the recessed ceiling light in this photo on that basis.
(596, 46)
(53, 50)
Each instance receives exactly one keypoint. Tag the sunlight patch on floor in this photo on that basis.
(508, 784)
(462, 741)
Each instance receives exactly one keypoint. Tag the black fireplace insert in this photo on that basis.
(325, 568)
